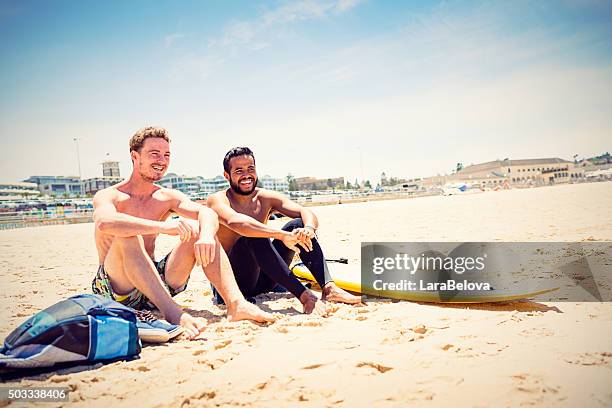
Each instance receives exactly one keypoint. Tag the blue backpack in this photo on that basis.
(83, 328)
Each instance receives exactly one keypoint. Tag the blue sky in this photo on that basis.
(316, 87)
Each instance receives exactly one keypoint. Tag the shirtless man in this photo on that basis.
(258, 263)
(128, 218)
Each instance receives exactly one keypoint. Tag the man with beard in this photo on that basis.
(260, 264)
(128, 218)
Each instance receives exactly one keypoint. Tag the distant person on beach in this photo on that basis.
(128, 218)
(259, 263)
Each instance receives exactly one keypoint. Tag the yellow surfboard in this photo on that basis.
(302, 272)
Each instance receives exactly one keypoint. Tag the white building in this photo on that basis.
(186, 184)
(110, 168)
(270, 183)
(214, 184)
(57, 186)
(194, 186)
(92, 185)
(18, 190)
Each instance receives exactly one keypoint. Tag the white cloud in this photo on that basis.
(170, 39)
(243, 32)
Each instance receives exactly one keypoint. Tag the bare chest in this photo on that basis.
(144, 207)
(257, 209)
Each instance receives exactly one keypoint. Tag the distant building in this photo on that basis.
(278, 184)
(110, 168)
(311, 183)
(185, 184)
(18, 190)
(214, 184)
(526, 171)
(605, 158)
(543, 171)
(110, 176)
(56, 186)
(92, 185)
(194, 186)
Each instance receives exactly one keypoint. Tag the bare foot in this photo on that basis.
(312, 304)
(244, 310)
(332, 293)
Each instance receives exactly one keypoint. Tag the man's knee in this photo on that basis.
(190, 242)
(293, 224)
(135, 240)
(258, 245)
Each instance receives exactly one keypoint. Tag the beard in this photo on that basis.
(151, 178)
(236, 188)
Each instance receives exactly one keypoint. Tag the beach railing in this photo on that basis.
(37, 217)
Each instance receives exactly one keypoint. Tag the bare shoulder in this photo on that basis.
(271, 195)
(170, 193)
(219, 197)
(106, 195)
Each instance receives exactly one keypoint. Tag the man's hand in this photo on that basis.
(185, 229)
(193, 326)
(292, 240)
(204, 249)
(305, 235)
(313, 305)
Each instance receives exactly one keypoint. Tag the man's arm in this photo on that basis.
(207, 218)
(110, 221)
(208, 225)
(284, 205)
(241, 223)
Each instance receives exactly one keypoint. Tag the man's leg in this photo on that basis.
(314, 260)
(316, 264)
(275, 268)
(129, 266)
(246, 269)
(219, 273)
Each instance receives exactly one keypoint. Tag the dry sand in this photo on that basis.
(383, 354)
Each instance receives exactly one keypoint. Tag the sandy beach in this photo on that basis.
(382, 354)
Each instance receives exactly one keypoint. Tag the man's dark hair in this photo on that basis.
(236, 152)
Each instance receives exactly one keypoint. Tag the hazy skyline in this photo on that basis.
(320, 88)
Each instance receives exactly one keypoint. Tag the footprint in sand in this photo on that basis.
(488, 349)
(303, 323)
(412, 395)
(215, 361)
(603, 358)
(354, 313)
(199, 396)
(274, 383)
(401, 336)
(534, 388)
(378, 367)
(313, 366)
(537, 332)
(223, 344)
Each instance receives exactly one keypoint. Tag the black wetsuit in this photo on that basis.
(260, 264)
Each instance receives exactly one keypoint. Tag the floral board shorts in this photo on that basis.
(135, 299)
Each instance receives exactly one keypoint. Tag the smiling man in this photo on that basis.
(130, 215)
(259, 264)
